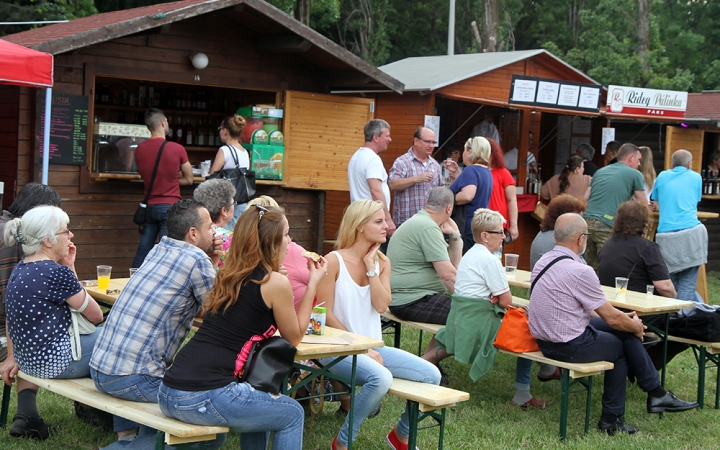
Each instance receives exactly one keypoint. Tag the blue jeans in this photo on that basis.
(239, 209)
(685, 282)
(136, 388)
(81, 368)
(155, 228)
(254, 414)
(376, 380)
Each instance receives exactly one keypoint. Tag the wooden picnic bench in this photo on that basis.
(707, 354)
(580, 373)
(424, 401)
(83, 390)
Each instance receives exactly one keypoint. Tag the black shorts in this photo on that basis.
(433, 308)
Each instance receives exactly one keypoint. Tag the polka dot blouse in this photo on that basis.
(38, 317)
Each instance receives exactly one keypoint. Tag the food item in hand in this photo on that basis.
(312, 255)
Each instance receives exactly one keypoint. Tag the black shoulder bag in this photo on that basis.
(242, 179)
(268, 363)
(139, 217)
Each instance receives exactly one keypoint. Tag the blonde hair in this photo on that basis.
(263, 200)
(479, 150)
(355, 217)
(485, 220)
(646, 167)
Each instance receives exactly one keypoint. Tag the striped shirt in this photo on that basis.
(563, 298)
(154, 312)
(412, 199)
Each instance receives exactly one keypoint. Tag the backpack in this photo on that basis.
(701, 322)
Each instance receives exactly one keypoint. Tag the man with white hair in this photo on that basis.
(683, 240)
(564, 295)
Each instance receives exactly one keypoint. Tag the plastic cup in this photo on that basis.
(650, 290)
(132, 271)
(621, 284)
(103, 274)
(204, 168)
(511, 262)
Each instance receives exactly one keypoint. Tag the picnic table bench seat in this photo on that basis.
(83, 390)
(424, 401)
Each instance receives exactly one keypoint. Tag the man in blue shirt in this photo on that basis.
(683, 240)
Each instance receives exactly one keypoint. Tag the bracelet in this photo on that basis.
(455, 238)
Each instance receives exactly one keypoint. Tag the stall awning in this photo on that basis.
(24, 67)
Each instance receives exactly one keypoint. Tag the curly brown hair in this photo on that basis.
(563, 203)
(632, 218)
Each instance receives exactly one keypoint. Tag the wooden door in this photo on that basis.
(321, 134)
(677, 138)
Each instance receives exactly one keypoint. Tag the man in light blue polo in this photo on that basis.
(683, 240)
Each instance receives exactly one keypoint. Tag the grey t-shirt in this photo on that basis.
(543, 243)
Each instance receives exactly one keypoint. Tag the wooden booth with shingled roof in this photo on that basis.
(464, 90)
(256, 55)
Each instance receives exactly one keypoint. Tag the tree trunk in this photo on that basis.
(302, 11)
(574, 18)
(476, 33)
(644, 40)
(489, 28)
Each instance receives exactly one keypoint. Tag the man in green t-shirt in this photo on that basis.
(423, 264)
(610, 187)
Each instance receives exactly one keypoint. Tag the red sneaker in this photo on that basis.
(533, 403)
(394, 443)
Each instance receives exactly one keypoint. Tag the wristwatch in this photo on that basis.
(371, 273)
(455, 238)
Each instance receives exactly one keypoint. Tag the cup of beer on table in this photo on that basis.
(511, 262)
(621, 284)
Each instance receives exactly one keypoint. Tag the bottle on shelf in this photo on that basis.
(200, 134)
(169, 135)
(178, 131)
(212, 134)
(123, 96)
(156, 98)
(188, 132)
(150, 95)
(142, 96)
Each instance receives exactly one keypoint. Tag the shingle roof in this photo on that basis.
(704, 105)
(429, 73)
(86, 31)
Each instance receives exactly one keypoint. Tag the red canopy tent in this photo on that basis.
(22, 66)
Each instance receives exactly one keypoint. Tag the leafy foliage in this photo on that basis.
(41, 10)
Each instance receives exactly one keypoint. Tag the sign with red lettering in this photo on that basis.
(633, 101)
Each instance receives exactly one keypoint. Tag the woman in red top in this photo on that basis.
(503, 197)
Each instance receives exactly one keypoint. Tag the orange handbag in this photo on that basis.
(514, 333)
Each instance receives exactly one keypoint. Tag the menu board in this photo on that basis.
(68, 129)
(555, 94)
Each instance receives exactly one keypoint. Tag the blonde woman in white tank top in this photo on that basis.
(355, 292)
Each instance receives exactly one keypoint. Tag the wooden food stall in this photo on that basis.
(109, 68)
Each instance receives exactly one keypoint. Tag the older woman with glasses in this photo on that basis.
(482, 295)
(218, 197)
(40, 293)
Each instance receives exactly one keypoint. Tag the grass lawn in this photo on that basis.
(487, 420)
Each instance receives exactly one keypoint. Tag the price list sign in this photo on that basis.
(68, 129)
(555, 94)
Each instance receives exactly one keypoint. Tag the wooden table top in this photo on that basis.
(634, 301)
(115, 283)
(357, 344)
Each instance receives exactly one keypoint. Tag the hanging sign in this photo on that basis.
(555, 94)
(633, 101)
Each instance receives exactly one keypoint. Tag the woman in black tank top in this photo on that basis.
(250, 298)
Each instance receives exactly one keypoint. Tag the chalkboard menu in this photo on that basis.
(68, 129)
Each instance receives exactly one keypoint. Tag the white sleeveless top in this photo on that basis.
(353, 306)
(242, 156)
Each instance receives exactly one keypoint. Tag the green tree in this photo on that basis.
(41, 10)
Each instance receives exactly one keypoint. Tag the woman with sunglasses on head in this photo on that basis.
(230, 131)
(40, 292)
(356, 291)
(481, 295)
(250, 299)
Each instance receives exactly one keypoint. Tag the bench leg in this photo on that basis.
(414, 419)
(442, 429)
(717, 382)
(7, 391)
(160, 440)
(420, 352)
(701, 360)
(588, 386)
(564, 400)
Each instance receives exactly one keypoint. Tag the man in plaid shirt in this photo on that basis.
(413, 175)
(154, 313)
